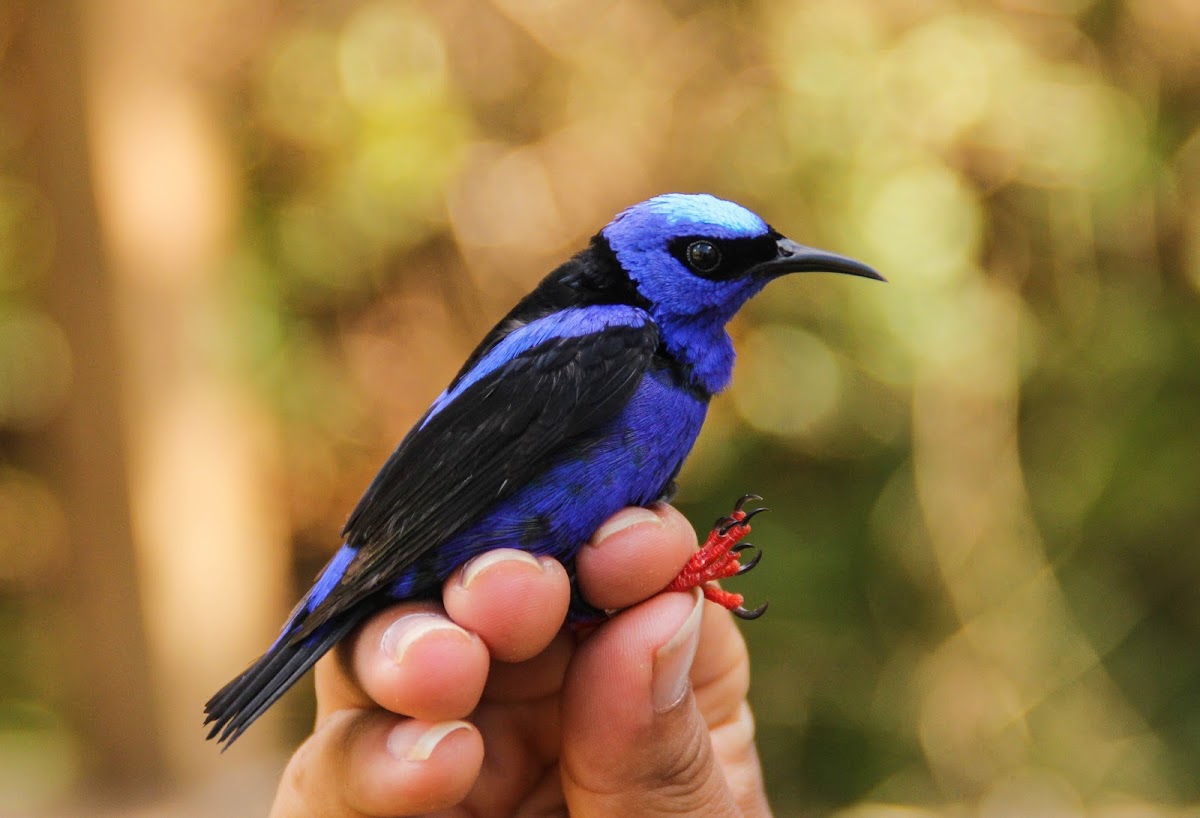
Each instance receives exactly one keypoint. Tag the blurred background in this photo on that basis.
(243, 244)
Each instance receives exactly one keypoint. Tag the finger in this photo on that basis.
(720, 680)
(634, 555)
(337, 683)
(538, 678)
(414, 660)
(371, 763)
(634, 741)
(721, 671)
(514, 601)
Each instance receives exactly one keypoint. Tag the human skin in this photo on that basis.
(645, 714)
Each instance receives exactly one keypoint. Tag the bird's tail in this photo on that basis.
(239, 703)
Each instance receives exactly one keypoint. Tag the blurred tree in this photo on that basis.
(210, 538)
(99, 646)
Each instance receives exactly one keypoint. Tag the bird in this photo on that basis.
(584, 399)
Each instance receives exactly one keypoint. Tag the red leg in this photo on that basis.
(718, 559)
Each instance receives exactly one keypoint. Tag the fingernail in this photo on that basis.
(473, 569)
(673, 661)
(401, 743)
(624, 519)
(405, 631)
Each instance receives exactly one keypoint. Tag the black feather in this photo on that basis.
(592, 276)
(239, 703)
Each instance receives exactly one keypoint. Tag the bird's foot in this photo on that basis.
(719, 557)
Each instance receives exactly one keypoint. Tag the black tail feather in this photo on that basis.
(239, 703)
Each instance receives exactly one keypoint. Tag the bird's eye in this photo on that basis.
(703, 256)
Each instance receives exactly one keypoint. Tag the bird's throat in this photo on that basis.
(703, 354)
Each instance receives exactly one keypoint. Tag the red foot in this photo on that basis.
(718, 559)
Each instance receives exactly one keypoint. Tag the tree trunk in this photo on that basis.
(102, 647)
(209, 530)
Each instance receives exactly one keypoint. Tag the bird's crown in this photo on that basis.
(685, 214)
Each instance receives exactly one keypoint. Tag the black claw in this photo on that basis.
(753, 562)
(740, 547)
(745, 498)
(745, 521)
(742, 613)
(751, 515)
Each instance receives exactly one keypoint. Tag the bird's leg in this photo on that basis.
(718, 558)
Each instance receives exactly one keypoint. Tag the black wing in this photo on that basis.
(495, 436)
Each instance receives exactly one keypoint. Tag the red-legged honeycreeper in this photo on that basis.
(584, 399)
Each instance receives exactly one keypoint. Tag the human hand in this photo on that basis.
(506, 712)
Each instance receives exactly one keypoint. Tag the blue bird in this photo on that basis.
(584, 399)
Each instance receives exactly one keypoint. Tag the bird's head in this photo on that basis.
(697, 259)
(694, 255)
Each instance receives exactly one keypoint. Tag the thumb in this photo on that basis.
(634, 741)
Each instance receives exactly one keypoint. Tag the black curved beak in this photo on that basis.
(796, 258)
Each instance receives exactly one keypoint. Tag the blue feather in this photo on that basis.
(329, 577)
(569, 323)
(685, 214)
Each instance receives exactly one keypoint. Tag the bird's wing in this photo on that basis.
(495, 430)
